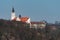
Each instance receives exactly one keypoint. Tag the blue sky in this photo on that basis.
(37, 10)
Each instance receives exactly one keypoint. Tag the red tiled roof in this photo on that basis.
(24, 19)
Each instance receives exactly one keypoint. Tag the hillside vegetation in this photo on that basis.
(13, 30)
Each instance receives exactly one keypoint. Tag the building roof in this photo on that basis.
(37, 22)
(23, 19)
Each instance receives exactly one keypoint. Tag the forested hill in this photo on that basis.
(14, 30)
(7, 25)
(11, 28)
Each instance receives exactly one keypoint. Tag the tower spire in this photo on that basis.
(13, 10)
(13, 14)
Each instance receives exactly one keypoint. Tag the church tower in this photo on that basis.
(13, 14)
